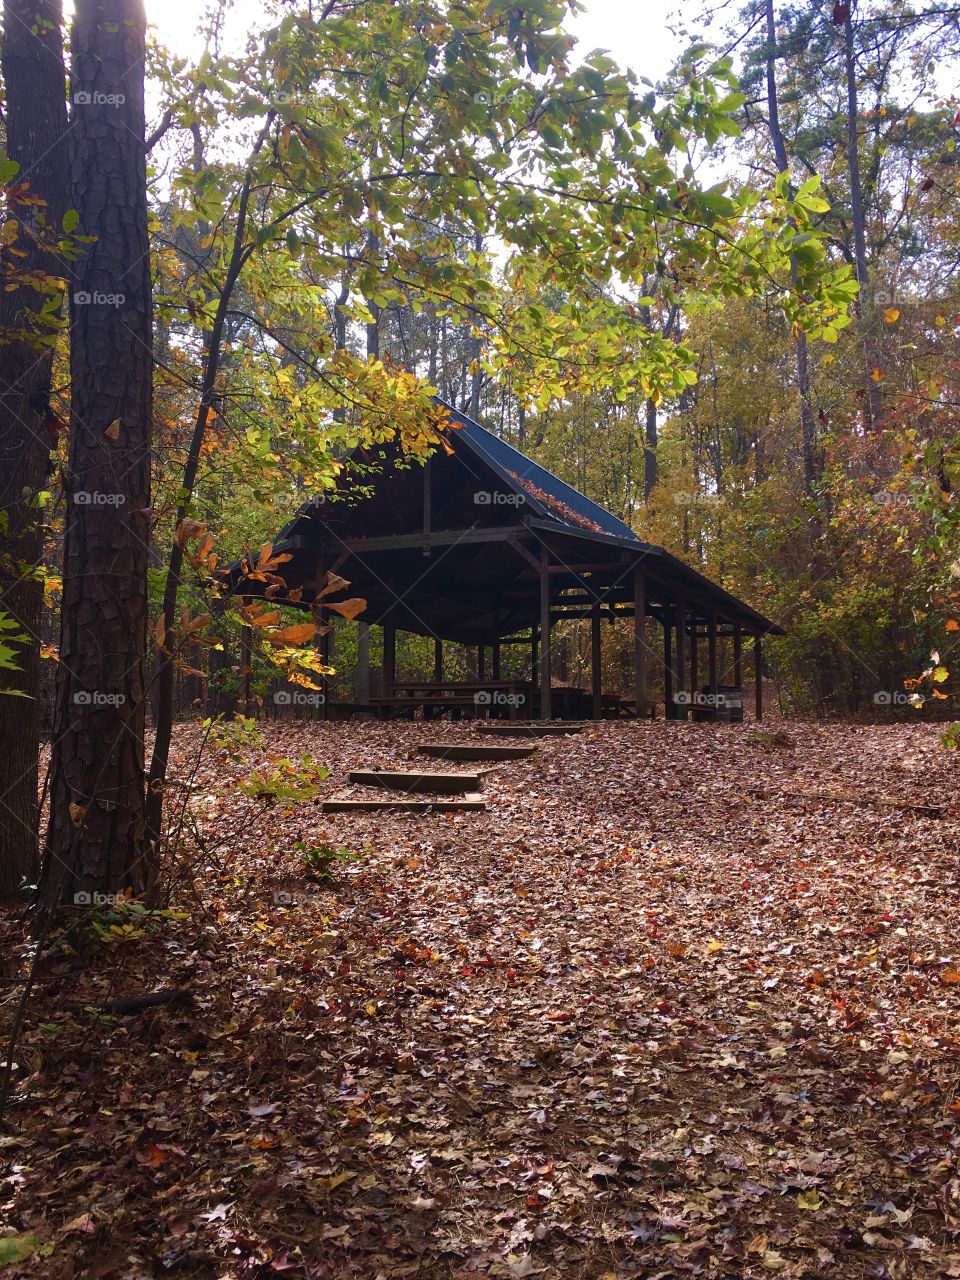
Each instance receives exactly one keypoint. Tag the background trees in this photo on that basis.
(368, 204)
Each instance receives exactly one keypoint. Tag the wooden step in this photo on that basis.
(530, 728)
(474, 751)
(441, 784)
(469, 803)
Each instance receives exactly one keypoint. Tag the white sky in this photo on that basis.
(633, 31)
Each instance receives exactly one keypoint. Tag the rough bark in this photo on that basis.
(808, 421)
(95, 841)
(36, 121)
(871, 396)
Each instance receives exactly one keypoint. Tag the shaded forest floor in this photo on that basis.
(646, 1016)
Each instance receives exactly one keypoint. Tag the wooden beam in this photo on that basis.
(639, 641)
(445, 538)
(596, 677)
(758, 674)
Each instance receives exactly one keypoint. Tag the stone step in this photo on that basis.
(472, 802)
(474, 751)
(530, 728)
(441, 784)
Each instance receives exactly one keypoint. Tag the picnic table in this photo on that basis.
(437, 697)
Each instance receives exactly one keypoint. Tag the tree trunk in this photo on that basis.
(95, 841)
(871, 396)
(650, 471)
(36, 121)
(808, 421)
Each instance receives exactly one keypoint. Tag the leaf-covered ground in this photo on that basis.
(645, 1017)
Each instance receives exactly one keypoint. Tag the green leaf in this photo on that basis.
(17, 1248)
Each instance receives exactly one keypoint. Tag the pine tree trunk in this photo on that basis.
(95, 837)
(36, 121)
(871, 395)
(808, 421)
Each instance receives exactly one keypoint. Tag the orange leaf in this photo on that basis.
(349, 609)
(334, 583)
(300, 633)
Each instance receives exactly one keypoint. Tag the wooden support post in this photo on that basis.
(639, 642)
(595, 672)
(389, 655)
(545, 646)
(681, 662)
(495, 658)
(694, 663)
(712, 658)
(669, 706)
(758, 674)
(438, 659)
(737, 656)
(534, 645)
(363, 663)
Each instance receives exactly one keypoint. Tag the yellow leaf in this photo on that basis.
(113, 431)
(713, 945)
(809, 1199)
(891, 315)
(878, 375)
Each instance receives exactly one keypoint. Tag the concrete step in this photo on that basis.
(472, 802)
(474, 751)
(530, 728)
(441, 784)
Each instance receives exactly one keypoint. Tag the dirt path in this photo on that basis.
(631, 1021)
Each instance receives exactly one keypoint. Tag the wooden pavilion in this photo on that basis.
(483, 547)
